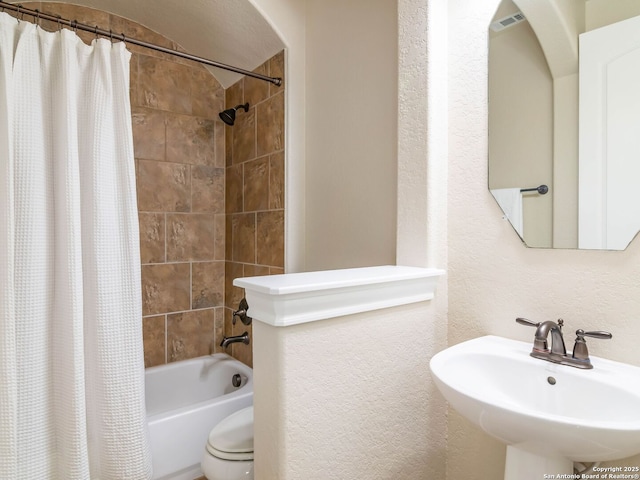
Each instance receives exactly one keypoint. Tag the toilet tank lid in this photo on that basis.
(234, 434)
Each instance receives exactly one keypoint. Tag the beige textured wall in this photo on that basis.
(350, 116)
(383, 345)
(493, 278)
(603, 12)
(349, 398)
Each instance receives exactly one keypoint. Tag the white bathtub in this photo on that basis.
(185, 400)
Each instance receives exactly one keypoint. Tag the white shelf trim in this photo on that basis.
(294, 298)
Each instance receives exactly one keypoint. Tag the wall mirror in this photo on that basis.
(564, 113)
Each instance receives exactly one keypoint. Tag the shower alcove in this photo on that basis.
(210, 196)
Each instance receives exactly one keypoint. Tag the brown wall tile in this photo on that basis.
(218, 330)
(243, 237)
(190, 237)
(220, 135)
(207, 95)
(161, 85)
(233, 294)
(163, 187)
(151, 237)
(190, 334)
(276, 69)
(139, 32)
(256, 185)
(270, 238)
(207, 285)
(276, 181)
(244, 136)
(153, 334)
(165, 288)
(255, 90)
(228, 145)
(207, 189)
(270, 125)
(234, 95)
(234, 189)
(228, 330)
(148, 133)
(255, 271)
(190, 140)
(228, 246)
(219, 237)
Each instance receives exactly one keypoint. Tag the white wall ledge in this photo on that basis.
(294, 298)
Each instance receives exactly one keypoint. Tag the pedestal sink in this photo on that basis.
(549, 415)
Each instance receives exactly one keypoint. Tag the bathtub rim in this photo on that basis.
(244, 390)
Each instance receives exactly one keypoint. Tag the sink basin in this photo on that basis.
(541, 409)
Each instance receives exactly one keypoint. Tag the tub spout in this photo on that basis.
(226, 341)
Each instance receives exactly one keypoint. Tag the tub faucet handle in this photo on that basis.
(241, 313)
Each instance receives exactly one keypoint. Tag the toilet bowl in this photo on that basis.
(229, 451)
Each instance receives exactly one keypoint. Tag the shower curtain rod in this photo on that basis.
(37, 15)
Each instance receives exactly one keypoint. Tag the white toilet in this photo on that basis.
(229, 452)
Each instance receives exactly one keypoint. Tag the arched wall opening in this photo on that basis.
(210, 196)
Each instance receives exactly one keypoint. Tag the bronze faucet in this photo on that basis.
(558, 352)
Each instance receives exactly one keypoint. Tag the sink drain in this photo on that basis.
(551, 380)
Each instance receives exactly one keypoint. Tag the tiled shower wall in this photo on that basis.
(179, 146)
(255, 189)
(179, 149)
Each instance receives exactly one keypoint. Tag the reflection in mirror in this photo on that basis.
(535, 138)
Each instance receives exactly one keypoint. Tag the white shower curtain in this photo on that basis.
(71, 363)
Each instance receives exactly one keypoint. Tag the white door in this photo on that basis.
(609, 126)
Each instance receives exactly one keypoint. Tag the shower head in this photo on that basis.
(228, 116)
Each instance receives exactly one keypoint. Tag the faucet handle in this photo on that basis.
(539, 344)
(241, 313)
(580, 351)
(528, 323)
(599, 334)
